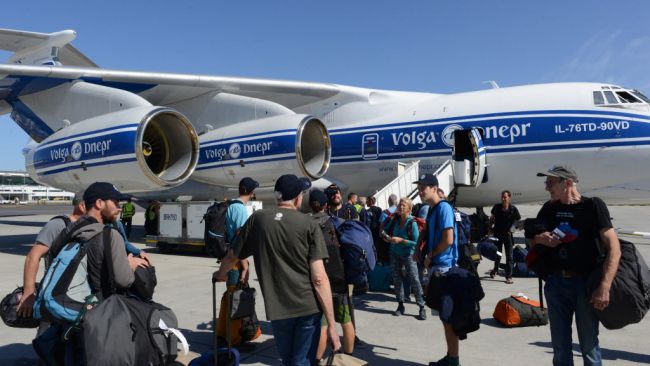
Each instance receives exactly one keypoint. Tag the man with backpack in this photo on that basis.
(102, 205)
(441, 252)
(336, 275)
(504, 215)
(288, 249)
(234, 219)
(336, 207)
(568, 252)
(41, 249)
(89, 240)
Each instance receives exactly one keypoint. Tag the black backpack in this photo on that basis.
(629, 296)
(216, 242)
(334, 264)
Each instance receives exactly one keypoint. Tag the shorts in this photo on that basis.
(341, 310)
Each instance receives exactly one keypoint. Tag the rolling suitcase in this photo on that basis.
(226, 356)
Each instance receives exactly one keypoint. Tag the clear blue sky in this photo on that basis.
(439, 46)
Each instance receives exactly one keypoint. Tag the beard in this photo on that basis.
(108, 217)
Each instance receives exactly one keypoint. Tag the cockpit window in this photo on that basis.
(598, 98)
(641, 96)
(627, 97)
(611, 98)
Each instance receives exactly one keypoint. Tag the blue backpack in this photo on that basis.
(464, 228)
(65, 287)
(357, 251)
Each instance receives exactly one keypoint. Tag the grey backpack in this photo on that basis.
(124, 330)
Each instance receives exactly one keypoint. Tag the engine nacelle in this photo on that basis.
(264, 149)
(138, 149)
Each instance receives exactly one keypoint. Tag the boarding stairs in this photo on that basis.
(467, 167)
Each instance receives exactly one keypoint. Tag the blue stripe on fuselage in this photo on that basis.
(504, 132)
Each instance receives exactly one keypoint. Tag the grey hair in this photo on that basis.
(392, 199)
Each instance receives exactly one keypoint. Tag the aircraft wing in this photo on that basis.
(15, 41)
(162, 88)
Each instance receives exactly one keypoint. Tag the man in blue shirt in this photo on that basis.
(442, 252)
(236, 216)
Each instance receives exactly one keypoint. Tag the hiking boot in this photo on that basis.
(423, 313)
(441, 362)
(400, 309)
(445, 361)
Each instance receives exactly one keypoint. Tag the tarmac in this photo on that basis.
(184, 285)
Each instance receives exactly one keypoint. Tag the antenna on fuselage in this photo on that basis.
(493, 83)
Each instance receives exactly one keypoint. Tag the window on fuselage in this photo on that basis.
(611, 98)
(626, 97)
(598, 98)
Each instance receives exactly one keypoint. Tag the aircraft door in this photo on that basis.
(469, 155)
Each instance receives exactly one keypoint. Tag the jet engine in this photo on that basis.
(264, 149)
(138, 149)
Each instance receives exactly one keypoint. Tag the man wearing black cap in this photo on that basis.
(336, 275)
(442, 251)
(574, 225)
(102, 206)
(288, 249)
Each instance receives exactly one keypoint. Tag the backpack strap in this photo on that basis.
(409, 228)
(108, 258)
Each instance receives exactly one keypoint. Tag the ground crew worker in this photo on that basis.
(128, 210)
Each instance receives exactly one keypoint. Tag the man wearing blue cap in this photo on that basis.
(288, 249)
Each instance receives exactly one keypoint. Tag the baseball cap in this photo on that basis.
(289, 186)
(317, 196)
(427, 179)
(560, 171)
(102, 191)
(249, 184)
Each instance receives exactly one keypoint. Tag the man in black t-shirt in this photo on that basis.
(288, 250)
(569, 247)
(503, 216)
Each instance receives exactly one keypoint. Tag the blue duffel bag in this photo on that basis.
(488, 249)
(379, 279)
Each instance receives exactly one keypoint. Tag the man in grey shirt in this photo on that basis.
(288, 250)
(40, 249)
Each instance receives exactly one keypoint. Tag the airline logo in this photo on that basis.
(448, 134)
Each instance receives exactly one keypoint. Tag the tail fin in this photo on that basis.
(32, 48)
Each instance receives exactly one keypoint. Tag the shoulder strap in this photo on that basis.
(409, 227)
(65, 219)
(108, 258)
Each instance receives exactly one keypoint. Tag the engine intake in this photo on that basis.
(138, 149)
(264, 149)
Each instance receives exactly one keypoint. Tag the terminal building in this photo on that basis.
(18, 187)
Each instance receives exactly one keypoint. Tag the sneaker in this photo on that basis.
(493, 273)
(423, 313)
(509, 281)
(400, 309)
